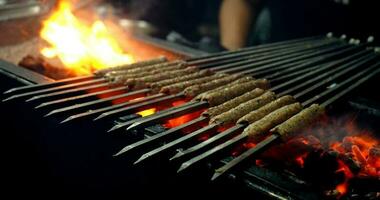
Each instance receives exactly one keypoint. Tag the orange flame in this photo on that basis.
(81, 48)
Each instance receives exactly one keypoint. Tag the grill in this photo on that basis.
(104, 128)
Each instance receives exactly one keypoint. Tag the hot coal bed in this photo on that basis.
(327, 161)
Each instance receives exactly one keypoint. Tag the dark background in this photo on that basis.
(196, 19)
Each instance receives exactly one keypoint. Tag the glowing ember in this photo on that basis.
(147, 112)
(81, 48)
(182, 119)
(342, 187)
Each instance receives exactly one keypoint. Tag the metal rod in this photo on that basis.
(248, 57)
(83, 96)
(212, 152)
(175, 143)
(57, 88)
(65, 92)
(343, 83)
(210, 141)
(162, 115)
(260, 147)
(333, 75)
(141, 105)
(275, 77)
(99, 101)
(321, 58)
(318, 75)
(63, 81)
(310, 62)
(253, 67)
(160, 137)
(265, 47)
(112, 107)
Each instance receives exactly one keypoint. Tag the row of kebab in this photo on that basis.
(249, 109)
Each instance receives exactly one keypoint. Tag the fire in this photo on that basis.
(147, 112)
(182, 119)
(80, 47)
(342, 187)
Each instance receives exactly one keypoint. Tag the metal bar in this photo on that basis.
(113, 107)
(275, 73)
(65, 92)
(343, 83)
(214, 151)
(210, 141)
(161, 136)
(253, 67)
(260, 147)
(248, 57)
(351, 87)
(91, 103)
(58, 88)
(335, 73)
(160, 116)
(318, 60)
(265, 47)
(62, 81)
(141, 105)
(331, 52)
(83, 96)
(175, 143)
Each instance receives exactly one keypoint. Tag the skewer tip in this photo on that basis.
(67, 119)
(184, 166)
(114, 128)
(9, 98)
(50, 113)
(176, 156)
(9, 91)
(216, 175)
(100, 117)
(124, 150)
(31, 99)
(142, 158)
(133, 126)
(40, 106)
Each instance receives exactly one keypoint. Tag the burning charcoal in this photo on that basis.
(333, 153)
(350, 162)
(347, 143)
(374, 152)
(358, 155)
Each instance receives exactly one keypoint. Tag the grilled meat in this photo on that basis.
(298, 122)
(228, 93)
(178, 87)
(142, 81)
(127, 74)
(265, 110)
(234, 114)
(257, 130)
(195, 90)
(226, 106)
(156, 87)
(131, 66)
